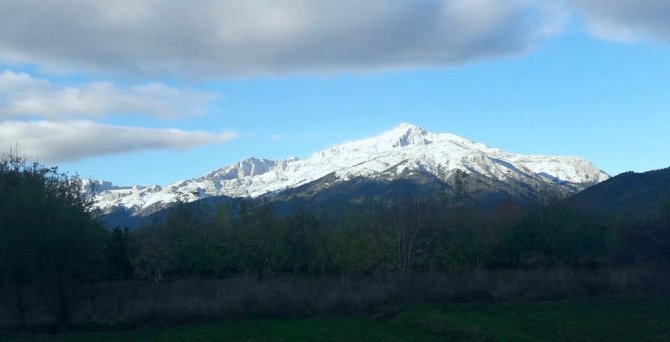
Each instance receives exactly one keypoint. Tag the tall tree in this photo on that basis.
(47, 235)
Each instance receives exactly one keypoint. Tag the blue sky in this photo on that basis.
(584, 77)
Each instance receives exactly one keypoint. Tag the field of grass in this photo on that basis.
(618, 319)
(607, 319)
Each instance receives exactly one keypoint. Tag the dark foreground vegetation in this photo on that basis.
(61, 269)
(613, 319)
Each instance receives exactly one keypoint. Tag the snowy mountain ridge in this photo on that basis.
(404, 150)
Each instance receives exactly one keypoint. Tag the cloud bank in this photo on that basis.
(73, 140)
(22, 95)
(223, 38)
(62, 135)
(214, 39)
(627, 20)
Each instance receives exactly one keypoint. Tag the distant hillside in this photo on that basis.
(205, 208)
(629, 195)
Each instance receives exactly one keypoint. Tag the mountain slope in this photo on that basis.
(628, 195)
(400, 153)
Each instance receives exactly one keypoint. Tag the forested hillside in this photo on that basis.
(629, 195)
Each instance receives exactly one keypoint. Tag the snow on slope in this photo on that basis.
(405, 148)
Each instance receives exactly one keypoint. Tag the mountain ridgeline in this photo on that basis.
(628, 196)
(406, 159)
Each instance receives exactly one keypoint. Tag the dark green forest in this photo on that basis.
(59, 265)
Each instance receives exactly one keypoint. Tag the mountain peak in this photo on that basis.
(403, 151)
(407, 134)
(244, 168)
(407, 129)
(408, 126)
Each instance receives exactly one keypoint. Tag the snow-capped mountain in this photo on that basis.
(398, 153)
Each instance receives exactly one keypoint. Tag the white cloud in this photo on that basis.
(73, 140)
(277, 137)
(214, 38)
(22, 95)
(627, 20)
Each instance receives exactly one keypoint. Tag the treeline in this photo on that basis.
(398, 236)
(51, 245)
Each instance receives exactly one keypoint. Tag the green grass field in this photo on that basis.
(611, 319)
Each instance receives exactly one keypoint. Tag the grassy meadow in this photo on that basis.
(599, 319)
